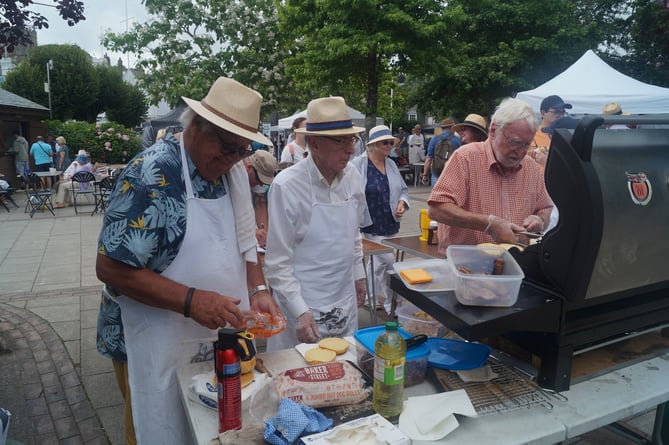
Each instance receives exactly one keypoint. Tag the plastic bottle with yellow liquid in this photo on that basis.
(390, 352)
(424, 225)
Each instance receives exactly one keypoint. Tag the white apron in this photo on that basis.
(323, 264)
(160, 341)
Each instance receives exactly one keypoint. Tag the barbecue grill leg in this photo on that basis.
(661, 429)
(555, 371)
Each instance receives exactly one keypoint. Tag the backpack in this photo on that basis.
(442, 151)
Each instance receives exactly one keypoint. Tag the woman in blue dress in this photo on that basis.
(387, 200)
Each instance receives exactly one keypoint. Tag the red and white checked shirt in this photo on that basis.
(474, 181)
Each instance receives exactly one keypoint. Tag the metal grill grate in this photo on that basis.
(508, 391)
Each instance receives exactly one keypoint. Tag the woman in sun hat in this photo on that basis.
(177, 252)
(314, 246)
(473, 129)
(387, 197)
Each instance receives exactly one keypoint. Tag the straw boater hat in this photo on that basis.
(232, 107)
(612, 108)
(328, 116)
(380, 133)
(474, 121)
(265, 165)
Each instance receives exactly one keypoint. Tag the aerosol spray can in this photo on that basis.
(227, 362)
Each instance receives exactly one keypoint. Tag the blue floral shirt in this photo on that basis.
(377, 193)
(145, 225)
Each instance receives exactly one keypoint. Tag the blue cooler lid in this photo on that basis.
(367, 337)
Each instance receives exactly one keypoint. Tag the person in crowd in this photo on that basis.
(20, 150)
(403, 143)
(160, 134)
(52, 143)
(65, 185)
(124, 156)
(387, 197)
(416, 145)
(551, 108)
(614, 109)
(296, 150)
(438, 151)
(473, 129)
(314, 245)
(177, 254)
(42, 156)
(62, 154)
(416, 152)
(490, 191)
(261, 168)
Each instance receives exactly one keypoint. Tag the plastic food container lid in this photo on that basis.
(456, 355)
(367, 337)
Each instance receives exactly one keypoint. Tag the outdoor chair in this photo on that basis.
(103, 192)
(86, 182)
(37, 199)
(6, 198)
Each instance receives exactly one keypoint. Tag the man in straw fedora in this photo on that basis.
(314, 246)
(177, 251)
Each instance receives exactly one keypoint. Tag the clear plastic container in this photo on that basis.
(475, 285)
(416, 321)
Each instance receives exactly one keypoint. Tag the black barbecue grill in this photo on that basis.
(602, 272)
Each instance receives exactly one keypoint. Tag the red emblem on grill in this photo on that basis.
(639, 187)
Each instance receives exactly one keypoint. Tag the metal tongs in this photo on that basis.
(531, 235)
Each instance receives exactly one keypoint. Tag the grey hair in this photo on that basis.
(511, 110)
(190, 118)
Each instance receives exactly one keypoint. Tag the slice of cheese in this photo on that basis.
(416, 276)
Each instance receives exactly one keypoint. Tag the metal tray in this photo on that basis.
(442, 275)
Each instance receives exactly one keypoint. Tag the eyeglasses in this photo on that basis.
(388, 142)
(557, 112)
(517, 145)
(342, 142)
(241, 150)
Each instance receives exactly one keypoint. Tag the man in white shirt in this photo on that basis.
(314, 246)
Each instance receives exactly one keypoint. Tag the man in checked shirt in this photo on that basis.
(490, 191)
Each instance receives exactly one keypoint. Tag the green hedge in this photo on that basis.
(92, 137)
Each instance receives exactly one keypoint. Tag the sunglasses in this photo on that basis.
(242, 150)
(388, 142)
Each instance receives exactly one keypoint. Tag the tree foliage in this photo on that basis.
(16, 20)
(494, 49)
(78, 89)
(188, 45)
(347, 47)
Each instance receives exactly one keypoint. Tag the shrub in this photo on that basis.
(92, 137)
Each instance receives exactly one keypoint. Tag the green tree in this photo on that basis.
(74, 83)
(188, 45)
(16, 20)
(645, 41)
(494, 49)
(123, 103)
(345, 47)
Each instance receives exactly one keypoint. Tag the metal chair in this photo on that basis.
(103, 192)
(38, 199)
(85, 181)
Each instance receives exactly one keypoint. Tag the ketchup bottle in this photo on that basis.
(227, 362)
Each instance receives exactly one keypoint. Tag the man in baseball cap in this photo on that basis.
(552, 108)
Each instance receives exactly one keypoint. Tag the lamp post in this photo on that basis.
(49, 67)
(391, 110)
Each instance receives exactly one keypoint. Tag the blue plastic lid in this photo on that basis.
(367, 337)
(456, 355)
